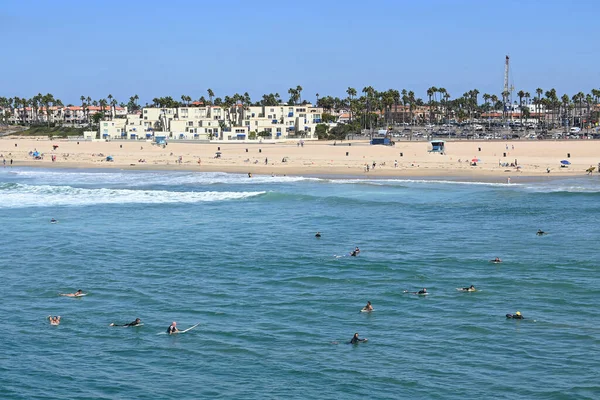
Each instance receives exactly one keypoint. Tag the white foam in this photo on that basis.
(137, 179)
(22, 195)
(418, 181)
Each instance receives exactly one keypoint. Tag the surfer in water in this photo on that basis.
(172, 328)
(356, 340)
(355, 252)
(134, 323)
(368, 307)
(497, 260)
(540, 232)
(516, 315)
(53, 221)
(469, 289)
(318, 235)
(76, 294)
(54, 320)
(420, 292)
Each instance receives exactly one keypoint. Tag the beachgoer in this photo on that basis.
(318, 234)
(547, 170)
(134, 323)
(368, 307)
(396, 163)
(355, 252)
(266, 161)
(249, 175)
(355, 339)
(172, 328)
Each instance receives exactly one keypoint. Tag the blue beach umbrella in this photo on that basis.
(565, 162)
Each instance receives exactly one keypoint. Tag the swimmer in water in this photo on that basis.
(356, 340)
(54, 320)
(516, 315)
(496, 260)
(318, 235)
(368, 307)
(134, 323)
(76, 294)
(355, 252)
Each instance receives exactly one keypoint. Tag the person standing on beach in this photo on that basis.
(266, 161)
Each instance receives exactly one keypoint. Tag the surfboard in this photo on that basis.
(128, 326)
(184, 331)
(190, 328)
(463, 290)
(363, 310)
(76, 295)
(495, 262)
(416, 293)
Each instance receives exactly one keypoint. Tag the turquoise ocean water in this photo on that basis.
(276, 305)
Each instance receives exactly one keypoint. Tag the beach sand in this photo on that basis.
(316, 158)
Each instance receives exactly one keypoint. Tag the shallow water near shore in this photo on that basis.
(277, 305)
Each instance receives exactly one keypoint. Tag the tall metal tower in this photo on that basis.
(506, 92)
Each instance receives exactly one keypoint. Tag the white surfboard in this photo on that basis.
(184, 331)
(363, 310)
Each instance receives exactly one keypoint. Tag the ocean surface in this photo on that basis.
(276, 305)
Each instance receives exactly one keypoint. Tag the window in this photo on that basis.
(272, 109)
(191, 123)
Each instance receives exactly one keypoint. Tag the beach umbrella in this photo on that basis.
(476, 160)
(565, 162)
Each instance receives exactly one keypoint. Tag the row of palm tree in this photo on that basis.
(372, 107)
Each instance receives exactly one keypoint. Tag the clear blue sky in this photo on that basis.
(169, 48)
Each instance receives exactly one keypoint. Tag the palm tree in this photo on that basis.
(521, 94)
(211, 94)
(539, 92)
(299, 91)
(351, 93)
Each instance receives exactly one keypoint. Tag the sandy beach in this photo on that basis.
(316, 158)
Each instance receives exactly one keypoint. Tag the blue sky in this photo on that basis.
(169, 48)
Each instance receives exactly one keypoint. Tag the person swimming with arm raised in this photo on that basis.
(355, 252)
(54, 320)
(356, 340)
(137, 322)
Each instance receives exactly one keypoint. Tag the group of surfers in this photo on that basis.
(55, 320)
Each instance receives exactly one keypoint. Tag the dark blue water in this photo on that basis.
(276, 305)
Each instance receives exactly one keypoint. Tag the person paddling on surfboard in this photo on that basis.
(540, 232)
(53, 221)
(172, 328)
(355, 252)
(516, 315)
(356, 340)
(497, 260)
(422, 291)
(76, 294)
(368, 307)
(134, 323)
(318, 235)
(469, 289)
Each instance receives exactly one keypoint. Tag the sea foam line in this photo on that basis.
(23, 195)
